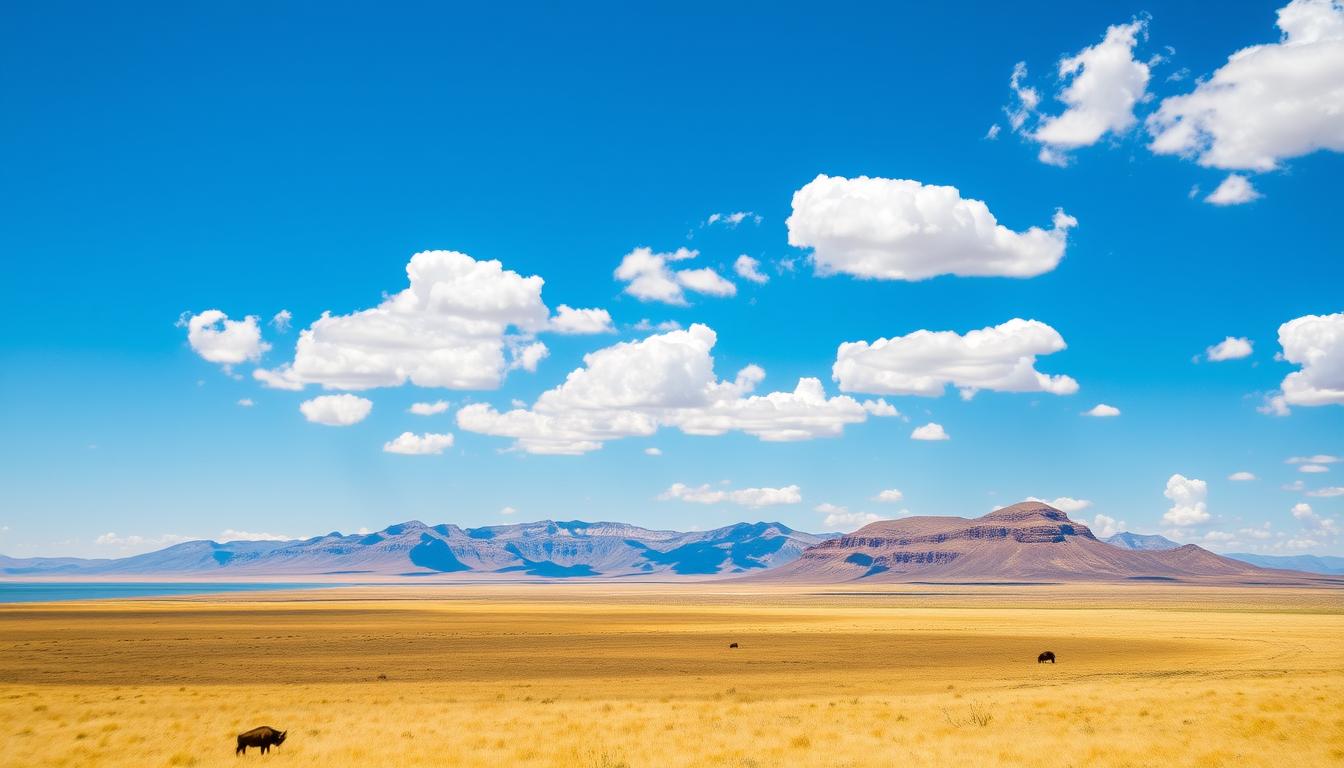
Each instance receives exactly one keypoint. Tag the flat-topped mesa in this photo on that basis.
(1029, 522)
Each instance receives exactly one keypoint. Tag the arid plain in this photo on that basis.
(642, 675)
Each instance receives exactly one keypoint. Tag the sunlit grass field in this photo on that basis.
(642, 676)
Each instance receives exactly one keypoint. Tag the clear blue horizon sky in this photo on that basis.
(163, 159)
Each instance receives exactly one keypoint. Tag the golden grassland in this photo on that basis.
(641, 676)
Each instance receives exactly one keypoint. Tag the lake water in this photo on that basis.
(31, 592)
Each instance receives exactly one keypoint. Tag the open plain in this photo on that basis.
(642, 675)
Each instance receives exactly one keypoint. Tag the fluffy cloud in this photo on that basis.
(1268, 102)
(1230, 348)
(246, 402)
(1326, 493)
(1316, 343)
(1001, 358)
(1189, 501)
(899, 229)
(428, 409)
(1104, 526)
(653, 451)
(1100, 86)
(411, 444)
(889, 496)
(649, 278)
(1102, 411)
(745, 497)
(218, 339)
(281, 320)
(930, 431)
(1234, 190)
(336, 410)
(449, 328)
(1323, 526)
(1065, 504)
(634, 388)
(1241, 477)
(1313, 468)
(748, 268)
(581, 321)
(840, 518)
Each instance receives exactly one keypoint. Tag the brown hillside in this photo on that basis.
(1030, 541)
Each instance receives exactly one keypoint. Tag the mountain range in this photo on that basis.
(1030, 541)
(545, 549)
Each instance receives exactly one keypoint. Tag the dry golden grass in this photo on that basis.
(641, 676)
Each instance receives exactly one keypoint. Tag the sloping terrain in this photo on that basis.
(1030, 541)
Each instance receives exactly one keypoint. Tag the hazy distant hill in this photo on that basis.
(1308, 563)
(1141, 541)
(1030, 541)
(545, 549)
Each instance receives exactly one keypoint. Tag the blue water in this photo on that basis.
(30, 592)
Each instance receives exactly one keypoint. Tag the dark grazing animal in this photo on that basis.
(1047, 656)
(264, 737)
(732, 645)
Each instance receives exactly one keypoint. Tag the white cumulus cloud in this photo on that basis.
(581, 321)
(1000, 358)
(1316, 343)
(1241, 477)
(746, 497)
(1230, 348)
(1269, 102)
(449, 328)
(900, 229)
(1234, 190)
(429, 409)
(889, 496)
(336, 410)
(1105, 526)
(748, 268)
(1102, 411)
(930, 431)
(840, 518)
(218, 339)
(1313, 468)
(411, 444)
(648, 276)
(1189, 501)
(634, 388)
(1066, 504)
(1100, 85)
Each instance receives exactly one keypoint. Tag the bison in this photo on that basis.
(1047, 656)
(264, 737)
(732, 645)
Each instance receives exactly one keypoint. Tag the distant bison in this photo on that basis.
(1047, 656)
(264, 737)
(732, 645)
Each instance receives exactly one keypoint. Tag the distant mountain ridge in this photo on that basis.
(545, 549)
(1029, 542)
(1146, 542)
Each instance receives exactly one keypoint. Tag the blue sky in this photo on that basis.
(162, 160)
